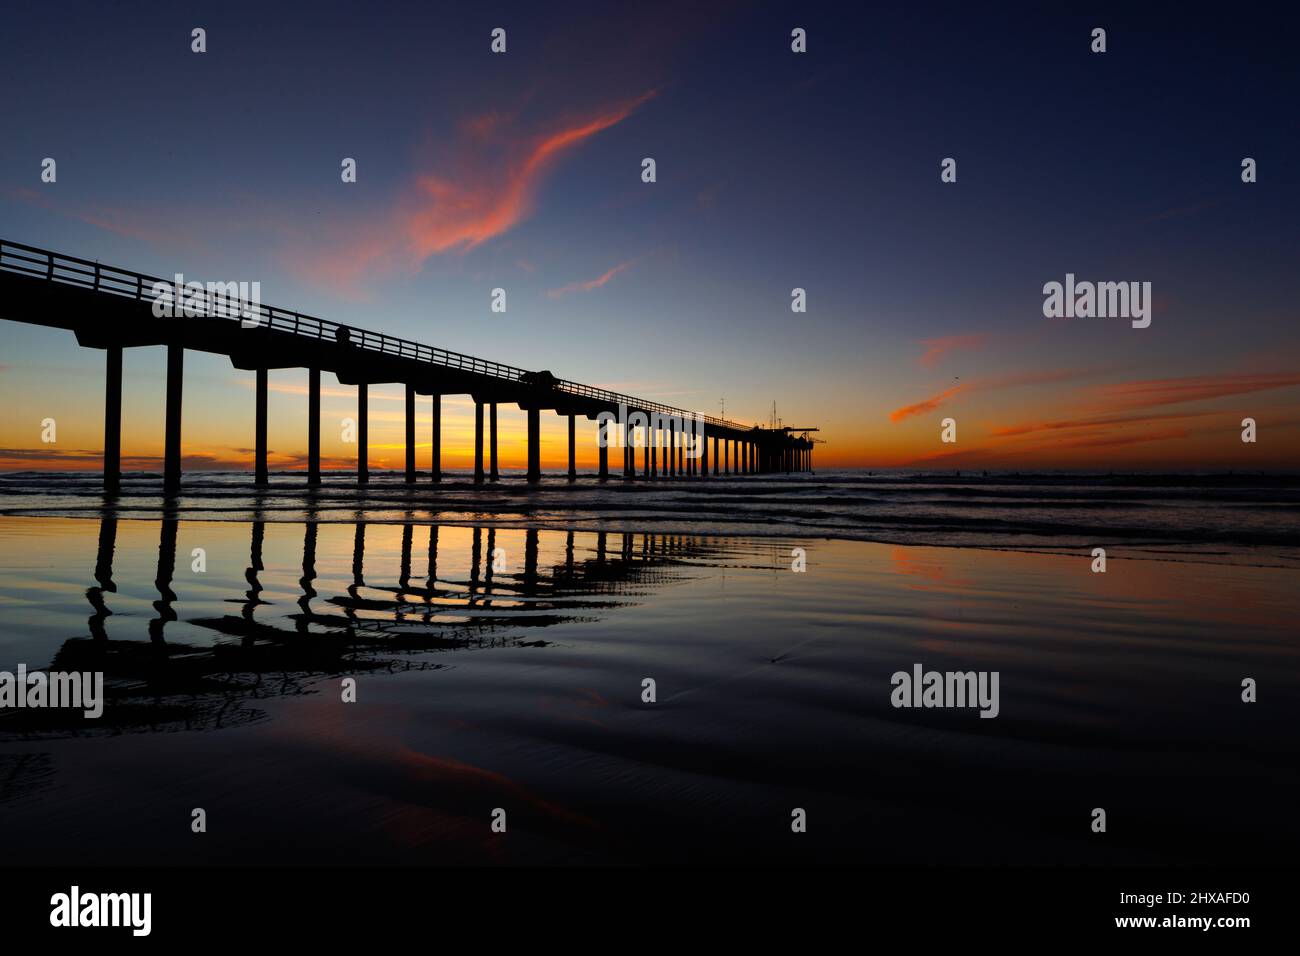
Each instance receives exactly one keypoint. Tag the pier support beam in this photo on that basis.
(704, 454)
(654, 453)
(629, 453)
(313, 426)
(410, 433)
(670, 453)
(435, 462)
(260, 476)
(603, 448)
(172, 437)
(478, 442)
(493, 473)
(534, 445)
(112, 417)
(363, 433)
(573, 459)
(715, 454)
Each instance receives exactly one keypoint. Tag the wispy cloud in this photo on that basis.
(483, 187)
(1197, 388)
(937, 348)
(590, 284)
(1108, 441)
(143, 224)
(1009, 431)
(988, 384)
(928, 405)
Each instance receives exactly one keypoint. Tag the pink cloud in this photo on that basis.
(143, 224)
(928, 405)
(1008, 431)
(1197, 388)
(484, 187)
(938, 348)
(988, 384)
(590, 284)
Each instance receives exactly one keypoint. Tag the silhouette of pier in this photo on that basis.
(113, 309)
(277, 645)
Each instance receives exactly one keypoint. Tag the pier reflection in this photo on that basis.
(488, 588)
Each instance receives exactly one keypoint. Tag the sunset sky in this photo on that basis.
(775, 170)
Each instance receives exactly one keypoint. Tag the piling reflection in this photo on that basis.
(252, 597)
(268, 645)
(163, 580)
(104, 577)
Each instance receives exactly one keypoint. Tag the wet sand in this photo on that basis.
(517, 684)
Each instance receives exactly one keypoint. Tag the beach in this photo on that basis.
(500, 663)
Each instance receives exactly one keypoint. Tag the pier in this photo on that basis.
(112, 309)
